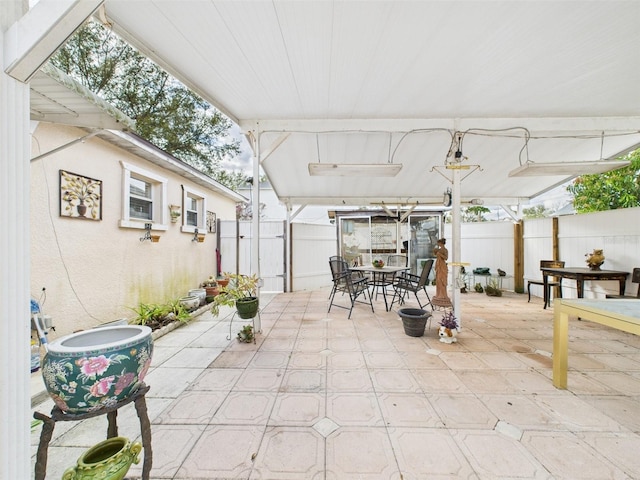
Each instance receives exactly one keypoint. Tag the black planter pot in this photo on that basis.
(414, 321)
(247, 307)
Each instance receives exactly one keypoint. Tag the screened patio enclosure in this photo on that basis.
(367, 236)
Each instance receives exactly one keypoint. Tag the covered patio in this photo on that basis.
(325, 398)
(457, 94)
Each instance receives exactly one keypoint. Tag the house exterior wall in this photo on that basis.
(97, 271)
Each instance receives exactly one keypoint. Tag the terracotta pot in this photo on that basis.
(94, 369)
(212, 291)
(223, 282)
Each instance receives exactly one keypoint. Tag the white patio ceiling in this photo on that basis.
(391, 81)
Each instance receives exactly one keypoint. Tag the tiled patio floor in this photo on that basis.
(325, 398)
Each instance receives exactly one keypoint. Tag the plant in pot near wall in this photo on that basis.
(211, 287)
(240, 293)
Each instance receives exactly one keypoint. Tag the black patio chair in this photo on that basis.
(551, 282)
(345, 282)
(406, 282)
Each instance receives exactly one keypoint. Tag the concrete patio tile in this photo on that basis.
(259, 380)
(170, 382)
(346, 360)
(617, 361)
(565, 456)
(496, 456)
(622, 409)
(462, 361)
(270, 360)
(356, 381)
(408, 410)
(521, 411)
(310, 344)
(430, 453)
(278, 344)
(485, 381)
(577, 414)
(307, 360)
(462, 411)
(232, 359)
(383, 359)
(618, 382)
(290, 453)
(501, 360)
(217, 379)
(161, 354)
(439, 381)
(344, 344)
(354, 409)
(393, 380)
(244, 408)
(347, 459)
(620, 448)
(303, 381)
(222, 451)
(423, 359)
(298, 409)
(530, 382)
(193, 358)
(192, 408)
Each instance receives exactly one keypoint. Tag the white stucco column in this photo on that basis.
(15, 327)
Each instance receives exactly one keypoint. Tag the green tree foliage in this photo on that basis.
(538, 211)
(474, 214)
(610, 190)
(167, 113)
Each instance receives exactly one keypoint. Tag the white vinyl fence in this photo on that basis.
(485, 244)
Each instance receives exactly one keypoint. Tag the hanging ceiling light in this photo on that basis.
(355, 169)
(532, 169)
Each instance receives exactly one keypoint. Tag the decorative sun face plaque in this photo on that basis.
(211, 222)
(80, 196)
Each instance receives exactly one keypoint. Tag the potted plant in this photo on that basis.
(493, 289)
(449, 328)
(239, 292)
(246, 335)
(174, 213)
(414, 320)
(211, 287)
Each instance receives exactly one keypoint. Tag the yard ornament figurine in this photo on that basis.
(595, 259)
(448, 328)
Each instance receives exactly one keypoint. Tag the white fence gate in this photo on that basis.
(235, 251)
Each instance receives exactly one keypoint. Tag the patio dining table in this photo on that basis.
(615, 313)
(381, 278)
(582, 274)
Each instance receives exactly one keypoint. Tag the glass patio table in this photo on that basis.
(381, 278)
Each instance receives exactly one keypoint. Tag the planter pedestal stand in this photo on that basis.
(58, 415)
(253, 324)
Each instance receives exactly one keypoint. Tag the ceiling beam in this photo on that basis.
(40, 32)
(557, 125)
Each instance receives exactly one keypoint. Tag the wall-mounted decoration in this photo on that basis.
(211, 222)
(80, 197)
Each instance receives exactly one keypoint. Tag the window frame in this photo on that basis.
(159, 202)
(201, 205)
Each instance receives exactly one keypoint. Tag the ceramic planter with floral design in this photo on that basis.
(94, 369)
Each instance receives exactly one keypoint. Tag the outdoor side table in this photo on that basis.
(58, 415)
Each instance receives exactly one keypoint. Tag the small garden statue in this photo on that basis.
(449, 328)
(441, 299)
(595, 259)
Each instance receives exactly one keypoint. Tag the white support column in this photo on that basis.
(455, 243)
(255, 221)
(15, 327)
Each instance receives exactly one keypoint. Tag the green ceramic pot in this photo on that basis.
(247, 307)
(107, 460)
(94, 369)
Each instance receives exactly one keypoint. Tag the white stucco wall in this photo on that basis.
(96, 271)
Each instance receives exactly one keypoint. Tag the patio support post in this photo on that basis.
(255, 223)
(15, 391)
(455, 231)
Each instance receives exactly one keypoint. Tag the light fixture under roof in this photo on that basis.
(355, 169)
(532, 169)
